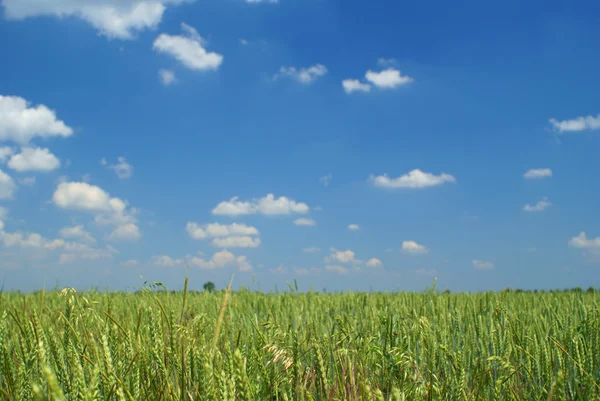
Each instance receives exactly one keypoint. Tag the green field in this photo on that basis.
(163, 345)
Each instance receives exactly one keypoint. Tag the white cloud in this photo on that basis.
(107, 210)
(353, 227)
(118, 19)
(326, 179)
(166, 261)
(22, 240)
(374, 262)
(535, 173)
(188, 50)
(130, 263)
(21, 123)
(55, 244)
(243, 41)
(236, 242)
(282, 205)
(582, 123)
(77, 232)
(387, 79)
(538, 207)
(222, 259)
(125, 232)
(225, 236)
(413, 248)
(336, 269)
(269, 205)
(83, 196)
(7, 186)
(70, 251)
(122, 169)
(5, 152)
(312, 249)
(27, 181)
(341, 257)
(34, 159)
(219, 230)
(3, 213)
(582, 241)
(302, 75)
(354, 85)
(483, 265)
(414, 179)
(167, 77)
(305, 222)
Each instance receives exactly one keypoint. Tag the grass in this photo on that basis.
(161, 345)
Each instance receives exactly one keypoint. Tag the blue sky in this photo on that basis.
(154, 139)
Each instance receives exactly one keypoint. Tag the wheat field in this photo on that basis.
(188, 345)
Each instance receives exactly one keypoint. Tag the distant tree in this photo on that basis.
(209, 286)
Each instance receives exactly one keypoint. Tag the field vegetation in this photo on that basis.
(221, 345)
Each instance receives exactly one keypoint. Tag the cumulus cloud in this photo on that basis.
(353, 227)
(115, 19)
(108, 210)
(236, 242)
(167, 77)
(166, 261)
(412, 247)
(130, 263)
(347, 256)
(7, 186)
(578, 124)
(122, 169)
(269, 205)
(34, 159)
(83, 196)
(536, 173)
(336, 269)
(302, 75)
(374, 262)
(538, 207)
(77, 232)
(305, 222)
(387, 79)
(20, 122)
(197, 231)
(5, 153)
(225, 236)
(483, 265)
(125, 232)
(354, 85)
(416, 179)
(188, 49)
(222, 259)
(582, 241)
(70, 251)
